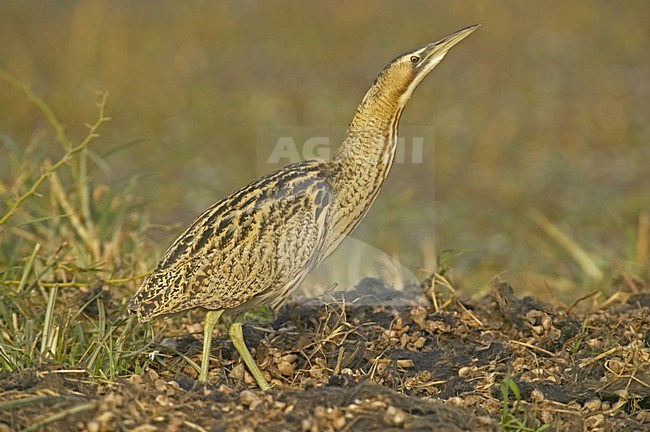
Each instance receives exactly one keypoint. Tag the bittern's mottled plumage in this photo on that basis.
(256, 245)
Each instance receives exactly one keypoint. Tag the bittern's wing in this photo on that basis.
(248, 248)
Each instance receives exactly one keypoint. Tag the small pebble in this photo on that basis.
(594, 343)
(378, 404)
(174, 385)
(593, 405)
(161, 385)
(419, 342)
(286, 368)
(237, 371)
(418, 315)
(105, 417)
(339, 423)
(163, 400)
(247, 397)
(594, 421)
(456, 400)
(537, 395)
(395, 416)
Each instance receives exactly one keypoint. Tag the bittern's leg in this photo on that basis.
(237, 338)
(211, 319)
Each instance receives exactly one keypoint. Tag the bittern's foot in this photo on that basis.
(237, 338)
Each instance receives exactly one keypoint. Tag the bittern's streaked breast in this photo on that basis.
(256, 245)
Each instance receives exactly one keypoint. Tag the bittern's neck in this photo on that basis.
(362, 163)
(372, 135)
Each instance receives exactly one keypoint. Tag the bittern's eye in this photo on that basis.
(415, 59)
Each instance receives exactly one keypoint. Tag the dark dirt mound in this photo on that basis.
(337, 366)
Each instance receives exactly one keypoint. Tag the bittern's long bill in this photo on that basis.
(256, 245)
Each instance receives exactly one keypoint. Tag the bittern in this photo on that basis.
(255, 246)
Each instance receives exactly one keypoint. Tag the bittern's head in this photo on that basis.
(401, 76)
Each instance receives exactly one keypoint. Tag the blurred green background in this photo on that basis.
(545, 107)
